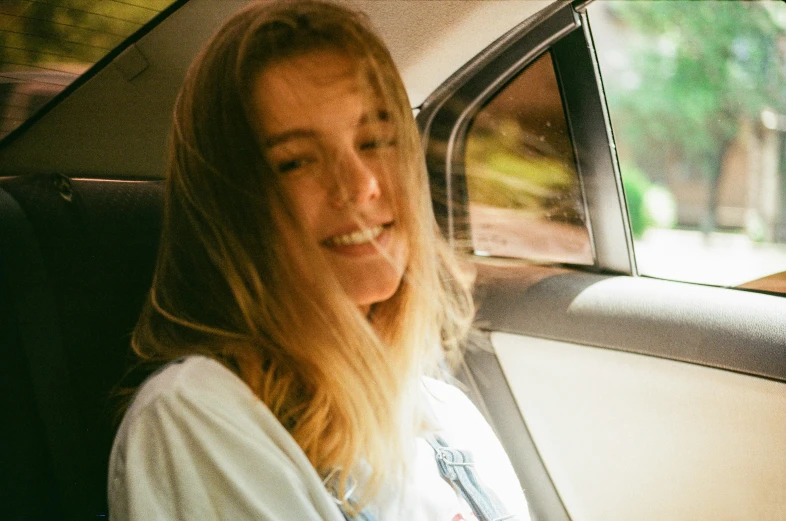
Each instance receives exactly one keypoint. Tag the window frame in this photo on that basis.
(91, 71)
(445, 117)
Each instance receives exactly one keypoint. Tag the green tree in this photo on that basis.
(700, 67)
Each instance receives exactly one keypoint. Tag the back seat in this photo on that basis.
(76, 262)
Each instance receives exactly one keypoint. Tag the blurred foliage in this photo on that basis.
(636, 186)
(510, 166)
(49, 33)
(695, 69)
(649, 204)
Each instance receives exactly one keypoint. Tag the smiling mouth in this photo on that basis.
(355, 238)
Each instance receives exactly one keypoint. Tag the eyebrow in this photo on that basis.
(282, 137)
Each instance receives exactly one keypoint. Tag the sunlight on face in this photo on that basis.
(327, 134)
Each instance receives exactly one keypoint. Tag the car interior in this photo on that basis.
(617, 396)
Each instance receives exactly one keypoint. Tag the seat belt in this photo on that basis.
(39, 330)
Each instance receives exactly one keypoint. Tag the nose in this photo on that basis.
(357, 180)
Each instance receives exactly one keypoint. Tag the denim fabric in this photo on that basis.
(364, 515)
(457, 468)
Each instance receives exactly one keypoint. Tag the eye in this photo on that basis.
(293, 155)
(375, 143)
(290, 166)
(370, 144)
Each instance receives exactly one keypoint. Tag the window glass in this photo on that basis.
(46, 44)
(696, 92)
(524, 191)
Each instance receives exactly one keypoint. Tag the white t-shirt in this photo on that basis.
(196, 443)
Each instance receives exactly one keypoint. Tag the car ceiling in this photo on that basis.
(115, 124)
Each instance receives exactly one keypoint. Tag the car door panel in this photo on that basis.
(733, 330)
(631, 389)
(625, 436)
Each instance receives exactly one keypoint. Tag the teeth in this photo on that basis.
(358, 237)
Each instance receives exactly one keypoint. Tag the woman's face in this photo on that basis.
(326, 133)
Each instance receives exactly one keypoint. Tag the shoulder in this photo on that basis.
(200, 397)
(196, 439)
(455, 417)
(447, 401)
(199, 413)
(194, 379)
(442, 390)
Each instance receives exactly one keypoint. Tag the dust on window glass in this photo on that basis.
(524, 191)
(46, 44)
(697, 97)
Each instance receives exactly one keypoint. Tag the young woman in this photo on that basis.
(302, 298)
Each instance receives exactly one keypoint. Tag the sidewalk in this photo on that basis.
(722, 259)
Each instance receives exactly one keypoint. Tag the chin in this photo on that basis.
(380, 291)
(366, 300)
(373, 284)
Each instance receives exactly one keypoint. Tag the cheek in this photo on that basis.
(292, 252)
(307, 200)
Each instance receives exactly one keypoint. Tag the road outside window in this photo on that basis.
(696, 92)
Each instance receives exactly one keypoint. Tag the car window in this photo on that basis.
(525, 198)
(696, 93)
(46, 44)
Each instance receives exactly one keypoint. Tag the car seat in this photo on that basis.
(76, 262)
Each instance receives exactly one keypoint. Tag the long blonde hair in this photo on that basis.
(343, 384)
